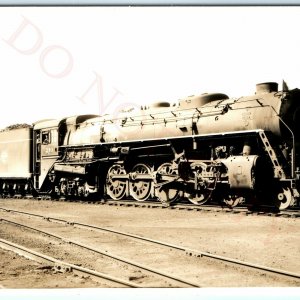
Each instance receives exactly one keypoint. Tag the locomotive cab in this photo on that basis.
(47, 141)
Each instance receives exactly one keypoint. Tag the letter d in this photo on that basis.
(22, 30)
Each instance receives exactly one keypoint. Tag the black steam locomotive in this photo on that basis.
(203, 148)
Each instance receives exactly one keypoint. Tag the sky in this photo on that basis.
(62, 61)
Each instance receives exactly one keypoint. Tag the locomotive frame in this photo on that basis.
(205, 148)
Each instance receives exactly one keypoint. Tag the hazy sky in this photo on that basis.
(57, 62)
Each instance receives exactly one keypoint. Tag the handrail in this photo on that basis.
(293, 140)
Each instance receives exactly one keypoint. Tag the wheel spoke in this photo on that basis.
(140, 189)
(115, 188)
(284, 198)
(166, 192)
(203, 192)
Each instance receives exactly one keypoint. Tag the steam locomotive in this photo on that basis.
(203, 148)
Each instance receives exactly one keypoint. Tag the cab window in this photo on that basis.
(54, 136)
(46, 137)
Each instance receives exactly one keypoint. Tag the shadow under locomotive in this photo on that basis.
(204, 148)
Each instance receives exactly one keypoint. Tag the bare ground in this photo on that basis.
(270, 241)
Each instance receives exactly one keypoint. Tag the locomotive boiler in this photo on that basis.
(203, 148)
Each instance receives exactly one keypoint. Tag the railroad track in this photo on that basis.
(261, 211)
(62, 266)
(178, 282)
(196, 253)
(215, 208)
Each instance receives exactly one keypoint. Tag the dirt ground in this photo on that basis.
(270, 241)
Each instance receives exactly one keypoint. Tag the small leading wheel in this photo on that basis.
(233, 200)
(199, 198)
(116, 187)
(140, 188)
(284, 198)
(166, 191)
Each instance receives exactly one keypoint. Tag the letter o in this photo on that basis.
(67, 68)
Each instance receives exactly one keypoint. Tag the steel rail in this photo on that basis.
(192, 251)
(119, 258)
(188, 251)
(265, 210)
(60, 265)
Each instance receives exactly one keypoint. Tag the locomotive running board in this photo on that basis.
(193, 136)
